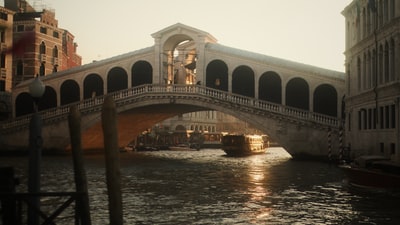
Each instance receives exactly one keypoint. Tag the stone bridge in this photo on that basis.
(298, 131)
(187, 70)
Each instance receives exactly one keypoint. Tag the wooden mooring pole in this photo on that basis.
(74, 122)
(113, 173)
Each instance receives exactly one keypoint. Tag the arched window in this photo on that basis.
(42, 48)
(42, 69)
(55, 52)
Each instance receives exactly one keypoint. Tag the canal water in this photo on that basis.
(207, 187)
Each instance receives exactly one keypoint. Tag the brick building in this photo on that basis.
(47, 48)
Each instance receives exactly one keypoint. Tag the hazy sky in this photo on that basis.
(306, 31)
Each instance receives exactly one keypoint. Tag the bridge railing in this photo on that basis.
(174, 91)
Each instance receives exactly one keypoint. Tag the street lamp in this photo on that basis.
(36, 90)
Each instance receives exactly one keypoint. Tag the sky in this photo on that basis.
(306, 31)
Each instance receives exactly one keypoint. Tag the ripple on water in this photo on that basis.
(206, 187)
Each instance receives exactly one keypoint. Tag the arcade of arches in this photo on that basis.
(270, 86)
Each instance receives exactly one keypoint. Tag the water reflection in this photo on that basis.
(206, 187)
(258, 178)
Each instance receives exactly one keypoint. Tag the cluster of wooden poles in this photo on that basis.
(113, 174)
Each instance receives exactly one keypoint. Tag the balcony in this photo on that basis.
(42, 57)
(55, 61)
(3, 73)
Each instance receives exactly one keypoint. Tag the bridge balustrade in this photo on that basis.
(171, 91)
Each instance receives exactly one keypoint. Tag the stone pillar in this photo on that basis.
(200, 63)
(157, 67)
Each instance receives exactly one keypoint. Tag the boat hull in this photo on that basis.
(370, 178)
(241, 152)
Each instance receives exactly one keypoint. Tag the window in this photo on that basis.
(20, 68)
(2, 60)
(387, 117)
(43, 30)
(2, 36)
(3, 16)
(55, 52)
(42, 69)
(56, 34)
(349, 122)
(393, 116)
(20, 28)
(42, 49)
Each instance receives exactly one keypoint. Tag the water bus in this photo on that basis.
(243, 144)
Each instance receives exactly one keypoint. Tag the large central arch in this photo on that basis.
(179, 59)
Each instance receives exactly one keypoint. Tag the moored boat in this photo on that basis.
(373, 172)
(243, 144)
(180, 147)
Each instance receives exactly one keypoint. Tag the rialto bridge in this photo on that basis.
(186, 70)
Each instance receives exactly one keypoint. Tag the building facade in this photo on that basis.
(6, 38)
(372, 77)
(46, 47)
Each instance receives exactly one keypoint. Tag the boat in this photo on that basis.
(373, 171)
(180, 147)
(243, 144)
(212, 140)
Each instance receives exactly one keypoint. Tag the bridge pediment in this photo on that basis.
(180, 32)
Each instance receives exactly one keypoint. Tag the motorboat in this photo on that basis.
(373, 171)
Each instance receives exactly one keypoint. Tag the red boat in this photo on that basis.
(374, 172)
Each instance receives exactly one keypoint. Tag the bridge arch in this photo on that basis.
(298, 93)
(142, 73)
(69, 92)
(325, 100)
(49, 99)
(23, 104)
(93, 85)
(270, 87)
(117, 79)
(243, 81)
(217, 75)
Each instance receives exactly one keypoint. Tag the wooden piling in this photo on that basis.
(74, 122)
(113, 173)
